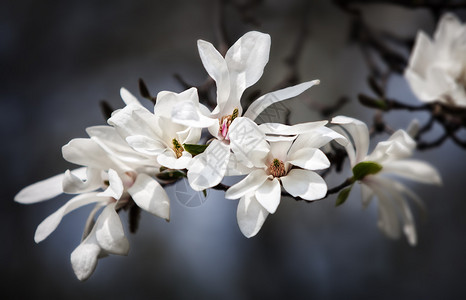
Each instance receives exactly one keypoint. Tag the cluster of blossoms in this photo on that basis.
(127, 163)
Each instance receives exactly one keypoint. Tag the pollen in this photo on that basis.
(177, 148)
(277, 168)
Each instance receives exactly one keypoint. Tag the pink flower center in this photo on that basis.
(225, 123)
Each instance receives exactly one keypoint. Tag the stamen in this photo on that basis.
(277, 168)
(225, 123)
(177, 148)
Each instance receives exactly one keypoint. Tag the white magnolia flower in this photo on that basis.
(241, 67)
(156, 135)
(389, 158)
(109, 164)
(437, 68)
(287, 160)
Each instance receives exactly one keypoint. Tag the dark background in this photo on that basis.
(59, 58)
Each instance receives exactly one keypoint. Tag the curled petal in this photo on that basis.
(186, 113)
(115, 188)
(81, 180)
(84, 258)
(146, 145)
(169, 160)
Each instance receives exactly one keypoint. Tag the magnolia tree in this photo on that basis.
(127, 164)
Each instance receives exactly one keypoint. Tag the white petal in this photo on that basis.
(42, 190)
(309, 158)
(134, 120)
(81, 180)
(246, 60)
(269, 194)
(167, 100)
(317, 138)
(305, 184)
(217, 68)
(266, 100)
(281, 129)
(249, 184)
(416, 170)
(186, 113)
(86, 152)
(109, 232)
(248, 142)
(367, 194)
(250, 215)
(146, 145)
(115, 188)
(47, 226)
(150, 196)
(84, 258)
(128, 98)
(169, 160)
(208, 168)
(422, 55)
(359, 135)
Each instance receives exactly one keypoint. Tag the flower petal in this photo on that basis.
(81, 180)
(208, 168)
(216, 66)
(305, 184)
(281, 129)
(309, 158)
(269, 194)
(416, 170)
(115, 188)
(109, 232)
(359, 134)
(47, 226)
(150, 196)
(169, 160)
(146, 145)
(129, 98)
(246, 60)
(250, 215)
(266, 100)
(249, 184)
(84, 257)
(86, 152)
(248, 142)
(42, 190)
(186, 113)
(134, 120)
(317, 138)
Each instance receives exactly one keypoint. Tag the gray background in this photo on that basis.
(58, 59)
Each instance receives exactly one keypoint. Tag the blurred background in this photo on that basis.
(59, 59)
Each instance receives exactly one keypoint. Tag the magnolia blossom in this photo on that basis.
(390, 158)
(156, 135)
(241, 67)
(437, 68)
(288, 159)
(109, 164)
